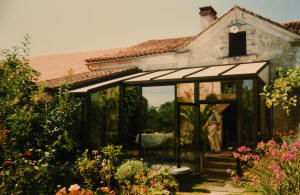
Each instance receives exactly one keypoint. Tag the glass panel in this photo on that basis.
(85, 89)
(217, 90)
(248, 111)
(180, 73)
(104, 117)
(157, 136)
(133, 117)
(187, 136)
(185, 92)
(250, 68)
(211, 71)
(151, 75)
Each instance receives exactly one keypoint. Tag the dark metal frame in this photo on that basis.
(173, 82)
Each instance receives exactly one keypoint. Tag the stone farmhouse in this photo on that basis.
(226, 65)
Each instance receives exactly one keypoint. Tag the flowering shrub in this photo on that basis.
(95, 171)
(271, 168)
(35, 128)
(129, 171)
(136, 178)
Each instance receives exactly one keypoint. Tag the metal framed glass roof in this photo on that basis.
(171, 76)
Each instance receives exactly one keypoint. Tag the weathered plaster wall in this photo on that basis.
(264, 43)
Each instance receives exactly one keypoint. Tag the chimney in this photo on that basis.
(207, 16)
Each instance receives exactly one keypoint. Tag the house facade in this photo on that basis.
(226, 65)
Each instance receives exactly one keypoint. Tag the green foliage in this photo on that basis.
(38, 125)
(162, 118)
(280, 92)
(136, 178)
(128, 171)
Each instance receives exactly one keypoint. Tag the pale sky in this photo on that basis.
(63, 26)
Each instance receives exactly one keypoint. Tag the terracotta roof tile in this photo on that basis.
(146, 48)
(292, 26)
(90, 76)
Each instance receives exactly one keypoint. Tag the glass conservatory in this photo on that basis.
(164, 115)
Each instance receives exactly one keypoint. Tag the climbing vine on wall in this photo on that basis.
(281, 90)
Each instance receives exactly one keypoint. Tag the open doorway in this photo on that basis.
(219, 126)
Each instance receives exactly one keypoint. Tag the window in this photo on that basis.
(237, 44)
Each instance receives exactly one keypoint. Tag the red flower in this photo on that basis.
(27, 154)
(126, 174)
(152, 182)
(6, 131)
(6, 163)
(145, 190)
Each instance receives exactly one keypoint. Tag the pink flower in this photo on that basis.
(236, 155)
(261, 145)
(275, 166)
(296, 145)
(267, 153)
(272, 142)
(284, 146)
(245, 157)
(235, 178)
(228, 171)
(275, 153)
(280, 176)
(277, 171)
(244, 149)
(253, 179)
(255, 157)
(290, 156)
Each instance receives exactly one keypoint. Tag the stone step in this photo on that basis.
(219, 159)
(220, 164)
(215, 172)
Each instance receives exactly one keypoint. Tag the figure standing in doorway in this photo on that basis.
(214, 128)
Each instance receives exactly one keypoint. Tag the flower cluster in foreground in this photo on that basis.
(271, 167)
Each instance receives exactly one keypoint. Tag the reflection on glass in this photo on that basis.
(217, 90)
(157, 136)
(134, 104)
(104, 117)
(187, 133)
(248, 111)
(185, 92)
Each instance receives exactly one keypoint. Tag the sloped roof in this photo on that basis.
(150, 47)
(90, 76)
(58, 65)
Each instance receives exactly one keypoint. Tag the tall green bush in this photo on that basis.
(35, 127)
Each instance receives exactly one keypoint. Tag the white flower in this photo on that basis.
(74, 187)
(166, 192)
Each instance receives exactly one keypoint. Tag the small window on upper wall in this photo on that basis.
(237, 44)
